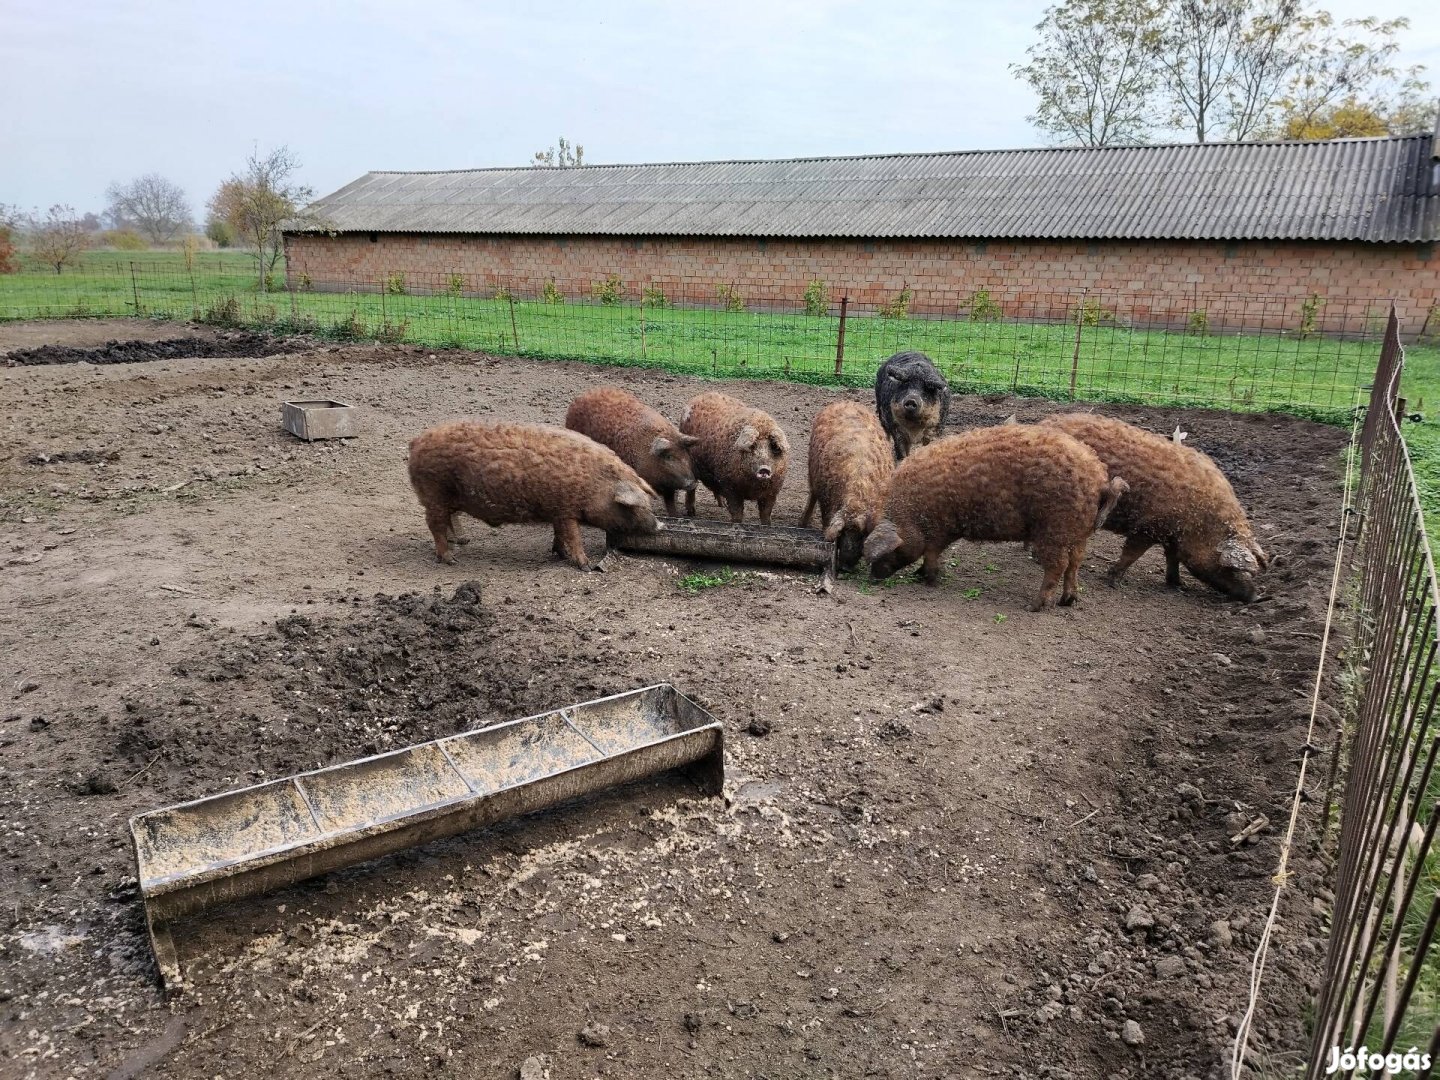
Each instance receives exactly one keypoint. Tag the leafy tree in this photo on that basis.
(59, 238)
(560, 156)
(154, 207)
(219, 230)
(1110, 72)
(258, 201)
(1347, 84)
(1093, 71)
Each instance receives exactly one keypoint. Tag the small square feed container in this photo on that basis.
(321, 419)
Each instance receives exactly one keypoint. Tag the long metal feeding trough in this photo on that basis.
(782, 545)
(199, 854)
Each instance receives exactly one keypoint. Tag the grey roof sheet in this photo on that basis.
(1378, 190)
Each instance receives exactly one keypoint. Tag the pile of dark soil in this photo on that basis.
(238, 343)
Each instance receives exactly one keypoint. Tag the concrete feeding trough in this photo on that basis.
(320, 419)
(197, 855)
(779, 545)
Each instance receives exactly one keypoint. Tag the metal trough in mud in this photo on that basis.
(199, 854)
(782, 545)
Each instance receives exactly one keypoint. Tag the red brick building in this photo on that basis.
(1164, 230)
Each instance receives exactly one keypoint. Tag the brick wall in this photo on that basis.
(1267, 284)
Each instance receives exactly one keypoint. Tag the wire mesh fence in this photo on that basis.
(1379, 1008)
(1309, 355)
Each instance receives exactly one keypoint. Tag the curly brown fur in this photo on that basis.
(998, 483)
(1178, 499)
(740, 455)
(645, 440)
(850, 467)
(504, 473)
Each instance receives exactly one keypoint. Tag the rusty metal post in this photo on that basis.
(1075, 356)
(135, 288)
(514, 330)
(840, 338)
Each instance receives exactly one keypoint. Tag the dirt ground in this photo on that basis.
(958, 838)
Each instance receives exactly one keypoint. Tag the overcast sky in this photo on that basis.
(101, 91)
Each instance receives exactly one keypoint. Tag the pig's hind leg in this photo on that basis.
(456, 536)
(1055, 560)
(1070, 590)
(736, 506)
(1133, 549)
(439, 519)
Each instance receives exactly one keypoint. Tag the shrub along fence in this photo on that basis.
(1308, 356)
(1381, 983)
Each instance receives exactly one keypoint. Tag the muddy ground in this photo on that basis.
(958, 838)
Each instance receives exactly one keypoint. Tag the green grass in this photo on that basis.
(696, 583)
(1311, 375)
(1420, 388)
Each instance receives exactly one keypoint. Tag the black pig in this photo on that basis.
(912, 399)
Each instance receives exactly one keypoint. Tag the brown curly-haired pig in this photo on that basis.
(740, 454)
(505, 473)
(1179, 499)
(997, 483)
(645, 440)
(850, 465)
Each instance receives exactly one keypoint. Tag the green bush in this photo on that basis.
(455, 284)
(983, 307)
(730, 296)
(392, 333)
(1310, 315)
(304, 282)
(1198, 323)
(817, 298)
(550, 294)
(610, 291)
(1092, 313)
(654, 297)
(395, 285)
(222, 311)
(125, 240)
(899, 305)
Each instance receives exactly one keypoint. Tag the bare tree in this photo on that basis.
(560, 156)
(150, 204)
(1269, 49)
(1093, 70)
(257, 201)
(1199, 42)
(59, 238)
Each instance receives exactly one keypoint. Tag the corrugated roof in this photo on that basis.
(1377, 190)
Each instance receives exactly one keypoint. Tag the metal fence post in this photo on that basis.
(135, 288)
(840, 338)
(514, 329)
(1075, 356)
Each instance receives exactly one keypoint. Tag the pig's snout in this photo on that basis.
(911, 406)
(764, 472)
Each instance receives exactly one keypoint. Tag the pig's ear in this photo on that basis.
(688, 441)
(628, 494)
(835, 528)
(746, 438)
(881, 542)
(1236, 556)
(660, 445)
(779, 442)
